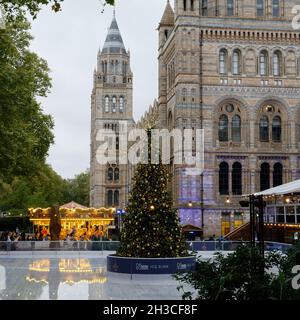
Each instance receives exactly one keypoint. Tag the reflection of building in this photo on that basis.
(231, 68)
(74, 216)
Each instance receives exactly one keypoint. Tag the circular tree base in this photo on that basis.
(150, 265)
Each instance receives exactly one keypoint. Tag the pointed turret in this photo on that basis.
(166, 24)
(168, 16)
(114, 43)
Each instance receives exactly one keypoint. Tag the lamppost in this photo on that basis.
(256, 220)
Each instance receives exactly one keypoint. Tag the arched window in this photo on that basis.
(223, 128)
(116, 198)
(121, 104)
(236, 128)
(236, 62)
(170, 121)
(204, 8)
(276, 8)
(277, 174)
(276, 129)
(114, 104)
(110, 198)
(184, 94)
(277, 63)
(264, 129)
(237, 179)
(192, 5)
(117, 67)
(184, 5)
(264, 176)
(263, 63)
(230, 7)
(260, 6)
(223, 61)
(224, 178)
(112, 66)
(107, 104)
(193, 94)
(110, 174)
(117, 174)
(166, 34)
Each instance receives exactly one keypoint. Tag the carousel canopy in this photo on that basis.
(291, 187)
(73, 205)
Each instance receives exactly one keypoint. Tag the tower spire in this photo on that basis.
(114, 10)
(114, 42)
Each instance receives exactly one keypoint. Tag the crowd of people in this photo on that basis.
(17, 235)
(42, 234)
(12, 236)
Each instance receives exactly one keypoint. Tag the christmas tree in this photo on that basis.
(151, 226)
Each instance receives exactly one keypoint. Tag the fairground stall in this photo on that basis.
(77, 222)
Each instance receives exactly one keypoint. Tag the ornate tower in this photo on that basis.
(111, 109)
(180, 96)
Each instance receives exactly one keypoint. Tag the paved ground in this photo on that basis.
(72, 276)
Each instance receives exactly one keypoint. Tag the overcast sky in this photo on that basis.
(69, 41)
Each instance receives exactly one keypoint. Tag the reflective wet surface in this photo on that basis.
(82, 278)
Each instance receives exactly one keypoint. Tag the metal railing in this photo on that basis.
(59, 246)
(81, 246)
(232, 246)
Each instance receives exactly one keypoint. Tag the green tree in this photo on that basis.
(282, 285)
(17, 7)
(25, 130)
(151, 226)
(236, 276)
(41, 189)
(78, 189)
(243, 275)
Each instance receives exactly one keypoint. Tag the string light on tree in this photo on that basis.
(151, 226)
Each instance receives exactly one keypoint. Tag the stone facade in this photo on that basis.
(231, 68)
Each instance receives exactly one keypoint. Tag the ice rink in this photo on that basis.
(72, 276)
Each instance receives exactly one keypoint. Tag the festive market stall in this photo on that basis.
(282, 212)
(77, 222)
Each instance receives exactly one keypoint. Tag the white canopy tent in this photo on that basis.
(291, 187)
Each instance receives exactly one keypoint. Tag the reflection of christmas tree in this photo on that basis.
(151, 226)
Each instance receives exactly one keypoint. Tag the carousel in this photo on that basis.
(80, 222)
